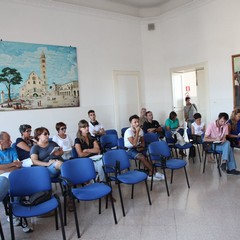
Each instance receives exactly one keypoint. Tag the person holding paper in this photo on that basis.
(46, 153)
(217, 132)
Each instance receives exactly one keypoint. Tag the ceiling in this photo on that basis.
(137, 8)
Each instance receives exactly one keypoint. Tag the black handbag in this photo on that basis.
(36, 198)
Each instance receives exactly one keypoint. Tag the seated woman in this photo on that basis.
(234, 128)
(63, 140)
(25, 142)
(86, 146)
(172, 124)
(198, 127)
(46, 153)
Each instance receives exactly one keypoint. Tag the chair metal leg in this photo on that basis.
(171, 176)
(149, 198)
(218, 157)
(1, 232)
(61, 217)
(11, 223)
(198, 149)
(56, 218)
(113, 208)
(186, 177)
(165, 179)
(76, 218)
(120, 194)
(132, 191)
(65, 210)
(152, 178)
(204, 164)
(99, 208)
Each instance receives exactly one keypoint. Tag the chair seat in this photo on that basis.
(32, 211)
(173, 164)
(132, 177)
(91, 192)
(185, 146)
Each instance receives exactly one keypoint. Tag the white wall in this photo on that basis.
(104, 41)
(203, 31)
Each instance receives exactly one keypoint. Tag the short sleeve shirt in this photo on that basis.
(173, 124)
(8, 155)
(213, 131)
(22, 154)
(65, 143)
(84, 145)
(153, 124)
(44, 153)
(198, 129)
(130, 133)
(93, 128)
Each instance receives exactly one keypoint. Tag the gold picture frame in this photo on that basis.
(236, 80)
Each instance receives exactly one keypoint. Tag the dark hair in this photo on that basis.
(233, 120)
(186, 98)
(59, 125)
(223, 115)
(91, 111)
(39, 131)
(135, 116)
(197, 115)
(172, 115)
(82, 123)
(23, 128)
(148, 112)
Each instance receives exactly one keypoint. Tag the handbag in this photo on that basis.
(36, 198)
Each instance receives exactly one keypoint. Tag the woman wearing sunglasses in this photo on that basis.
(25, 142)
(46, 153)
(63, 140)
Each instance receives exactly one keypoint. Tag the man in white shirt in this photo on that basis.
(96, 129)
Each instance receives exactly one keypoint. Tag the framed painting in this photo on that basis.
(37, 76)
(236, 80)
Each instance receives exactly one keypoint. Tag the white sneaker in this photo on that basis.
(16, 220)
(154, 178)
(159, 175)
(27, 229)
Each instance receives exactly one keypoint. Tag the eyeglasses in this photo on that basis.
(45, 134)
(64, 128)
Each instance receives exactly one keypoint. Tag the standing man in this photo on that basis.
(189, 110)
(96, 129)
(152, 126)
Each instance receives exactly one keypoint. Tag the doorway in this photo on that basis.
(190, 81)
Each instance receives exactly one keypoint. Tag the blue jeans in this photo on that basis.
(4, 186)
(227, 155)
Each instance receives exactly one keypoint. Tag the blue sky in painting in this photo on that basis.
(61, 62)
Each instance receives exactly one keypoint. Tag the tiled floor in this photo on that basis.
(210, 209)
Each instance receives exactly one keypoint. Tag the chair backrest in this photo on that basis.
(79, 170)
(123, 130)
(120, 143)
(169, 138)
(29, 180)
(108, 141)
(150, 137)
(110, 158)
(111, 131)
(74, 153)
(158, 149)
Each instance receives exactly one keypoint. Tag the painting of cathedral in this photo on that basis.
(37, 76)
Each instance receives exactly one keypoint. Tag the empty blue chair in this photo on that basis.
(123, 131)
(78, 172)
(111, 131)
(108, 142)
(26, 182)
(160, 155)
(150, 137)
(116, 167)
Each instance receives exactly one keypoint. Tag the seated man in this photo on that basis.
(133, 141)
(217, 131)
(8, 163)
(152, 126)
(95, 128)
(8, 155)
(142, 117)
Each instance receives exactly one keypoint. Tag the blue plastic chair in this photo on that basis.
(123, 131)
(160, 155)
(111, 131)
(25, 182)
(115, 162)
(108, 142)
(74, 153)
(172, 143)
(79, 171)
(149, 138)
